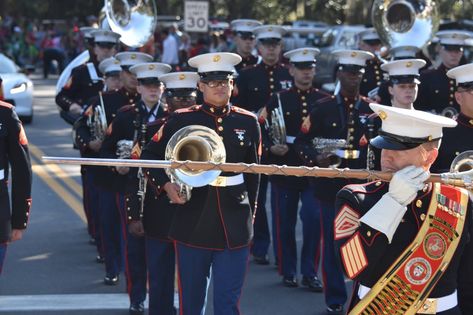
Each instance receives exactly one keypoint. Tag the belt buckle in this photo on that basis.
(428, 307)
(221, 181)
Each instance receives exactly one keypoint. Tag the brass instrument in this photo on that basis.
(328, 148)
(195, 143)
(461, 170)
(277, 129)
(405, 22)
(98, 121)
(134, 20)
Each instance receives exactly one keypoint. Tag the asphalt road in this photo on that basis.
(52, 270)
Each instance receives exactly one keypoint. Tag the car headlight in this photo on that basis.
(19, 88)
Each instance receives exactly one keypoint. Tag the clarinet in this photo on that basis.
(142, 180)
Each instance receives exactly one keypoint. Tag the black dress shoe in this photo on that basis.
(137, 308)
(313, 283)
(111, 280)
(290, 282)
(261, 260)
(335, 309)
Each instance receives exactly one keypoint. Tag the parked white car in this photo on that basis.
(17, 88)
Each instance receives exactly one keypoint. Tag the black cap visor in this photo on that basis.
(184, 92)
(304, 65)
(351, 68)
(402, 79)
(372, 42)
(246, 35)
(270, 41)
(394, 142)
(215, 75)
(149, 81)
(453, 47)
(108, 45)
(112, 73)
(466, 86)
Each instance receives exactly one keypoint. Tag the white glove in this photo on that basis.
(406, 183)
(387, 213)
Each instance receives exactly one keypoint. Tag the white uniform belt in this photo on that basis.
(223, 181)
(444, 303)
(2, 174)
(290, 139)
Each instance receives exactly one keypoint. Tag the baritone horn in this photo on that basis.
(194, 143)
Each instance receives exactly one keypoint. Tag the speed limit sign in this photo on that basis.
(196, 14)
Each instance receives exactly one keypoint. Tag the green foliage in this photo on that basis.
(269, 11)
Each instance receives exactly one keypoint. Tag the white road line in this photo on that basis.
(67, 302)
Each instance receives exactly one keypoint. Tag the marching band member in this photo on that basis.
(245, 41)
(294, 105)
(129, 126)
(379, 224)
(14, 156)
(254, 87)
(152, 216)
(340, 116)
(437, 91)
(213, 229)
(370, 42)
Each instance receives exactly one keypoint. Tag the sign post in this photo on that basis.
(196, 14)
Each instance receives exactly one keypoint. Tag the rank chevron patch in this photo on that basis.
(346, 222)
(353, 256)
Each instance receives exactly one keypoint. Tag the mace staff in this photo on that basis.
(459, 179)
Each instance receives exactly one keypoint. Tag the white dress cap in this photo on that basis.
(180, 80)
(215, 62)
(353, 57)
(103, 36)
(462, 74)
(150, 69)
(131, 58)
(411, 123)
(401, 52)
(452, 37)
(110, 65)
(269, 31)
(87, 31)
(245, 25)
(369, 34)
(302, 54)
(403, 67)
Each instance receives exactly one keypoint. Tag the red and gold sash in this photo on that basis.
(404, 288)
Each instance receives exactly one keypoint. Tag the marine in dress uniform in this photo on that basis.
(109, 182)
(88, 39)
(437, 91)
(85, 81)
(294, 105)
(455, 141)
(340, 116)
(212, 230)
(14, 156)
(89, 135)
(245, 41)
(153, 215)
(378, 224)
(369, 41)
(130, 125)
(255, 85)
(402, 87)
